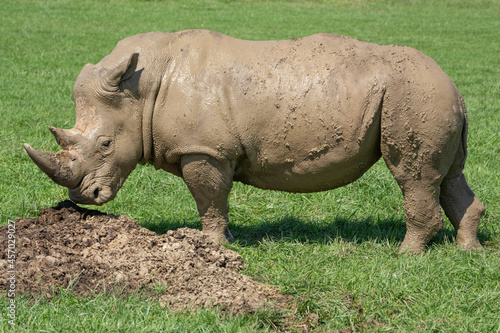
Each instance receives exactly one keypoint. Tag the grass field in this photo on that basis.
(335, 252)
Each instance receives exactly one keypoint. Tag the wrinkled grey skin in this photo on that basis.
(302, 115)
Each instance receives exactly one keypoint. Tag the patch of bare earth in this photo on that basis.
(88, 251)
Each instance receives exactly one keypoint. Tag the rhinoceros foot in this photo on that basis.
(218, 237)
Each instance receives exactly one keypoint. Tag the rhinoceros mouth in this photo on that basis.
(93, 194)
(78, 186)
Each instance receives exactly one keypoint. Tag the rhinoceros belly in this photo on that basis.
(312, 148)
(306, 166)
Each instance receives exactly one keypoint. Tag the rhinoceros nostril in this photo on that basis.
(96, 193)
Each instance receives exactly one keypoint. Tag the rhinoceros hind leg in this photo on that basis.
(423, 215)
(419, 175)
(210, 182)
(463, 209)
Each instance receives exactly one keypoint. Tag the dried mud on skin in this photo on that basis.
(91, 252)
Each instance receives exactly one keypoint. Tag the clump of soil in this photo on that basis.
(89, 251)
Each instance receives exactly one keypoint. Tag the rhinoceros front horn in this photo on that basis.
(60, 167)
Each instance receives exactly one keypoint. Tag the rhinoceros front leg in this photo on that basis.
(210, 181)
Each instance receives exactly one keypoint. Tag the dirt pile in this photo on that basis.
(88, 251)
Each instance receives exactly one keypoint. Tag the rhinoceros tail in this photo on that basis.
(465, 127)
(461, 154)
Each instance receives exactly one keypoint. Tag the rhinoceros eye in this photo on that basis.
(105, 144)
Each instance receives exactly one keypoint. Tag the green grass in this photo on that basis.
(110, 313)
(335, 252)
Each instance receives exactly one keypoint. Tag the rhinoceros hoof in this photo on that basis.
(222, 238)
(409, 247)
(469, 245)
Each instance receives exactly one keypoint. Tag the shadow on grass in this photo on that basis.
(290, 228)
(321, 231)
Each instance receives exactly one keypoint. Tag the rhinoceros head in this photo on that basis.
(104, 146)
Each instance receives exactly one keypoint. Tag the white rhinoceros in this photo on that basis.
(301, 115)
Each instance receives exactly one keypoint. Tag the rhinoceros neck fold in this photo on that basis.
(147, 127)
(147, 123)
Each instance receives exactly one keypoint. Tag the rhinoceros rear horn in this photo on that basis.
(56, 166)
(64, 137)
(123, 70)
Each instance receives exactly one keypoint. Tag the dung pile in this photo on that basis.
(89, 251)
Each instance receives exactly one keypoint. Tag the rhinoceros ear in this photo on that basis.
(123, 70)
